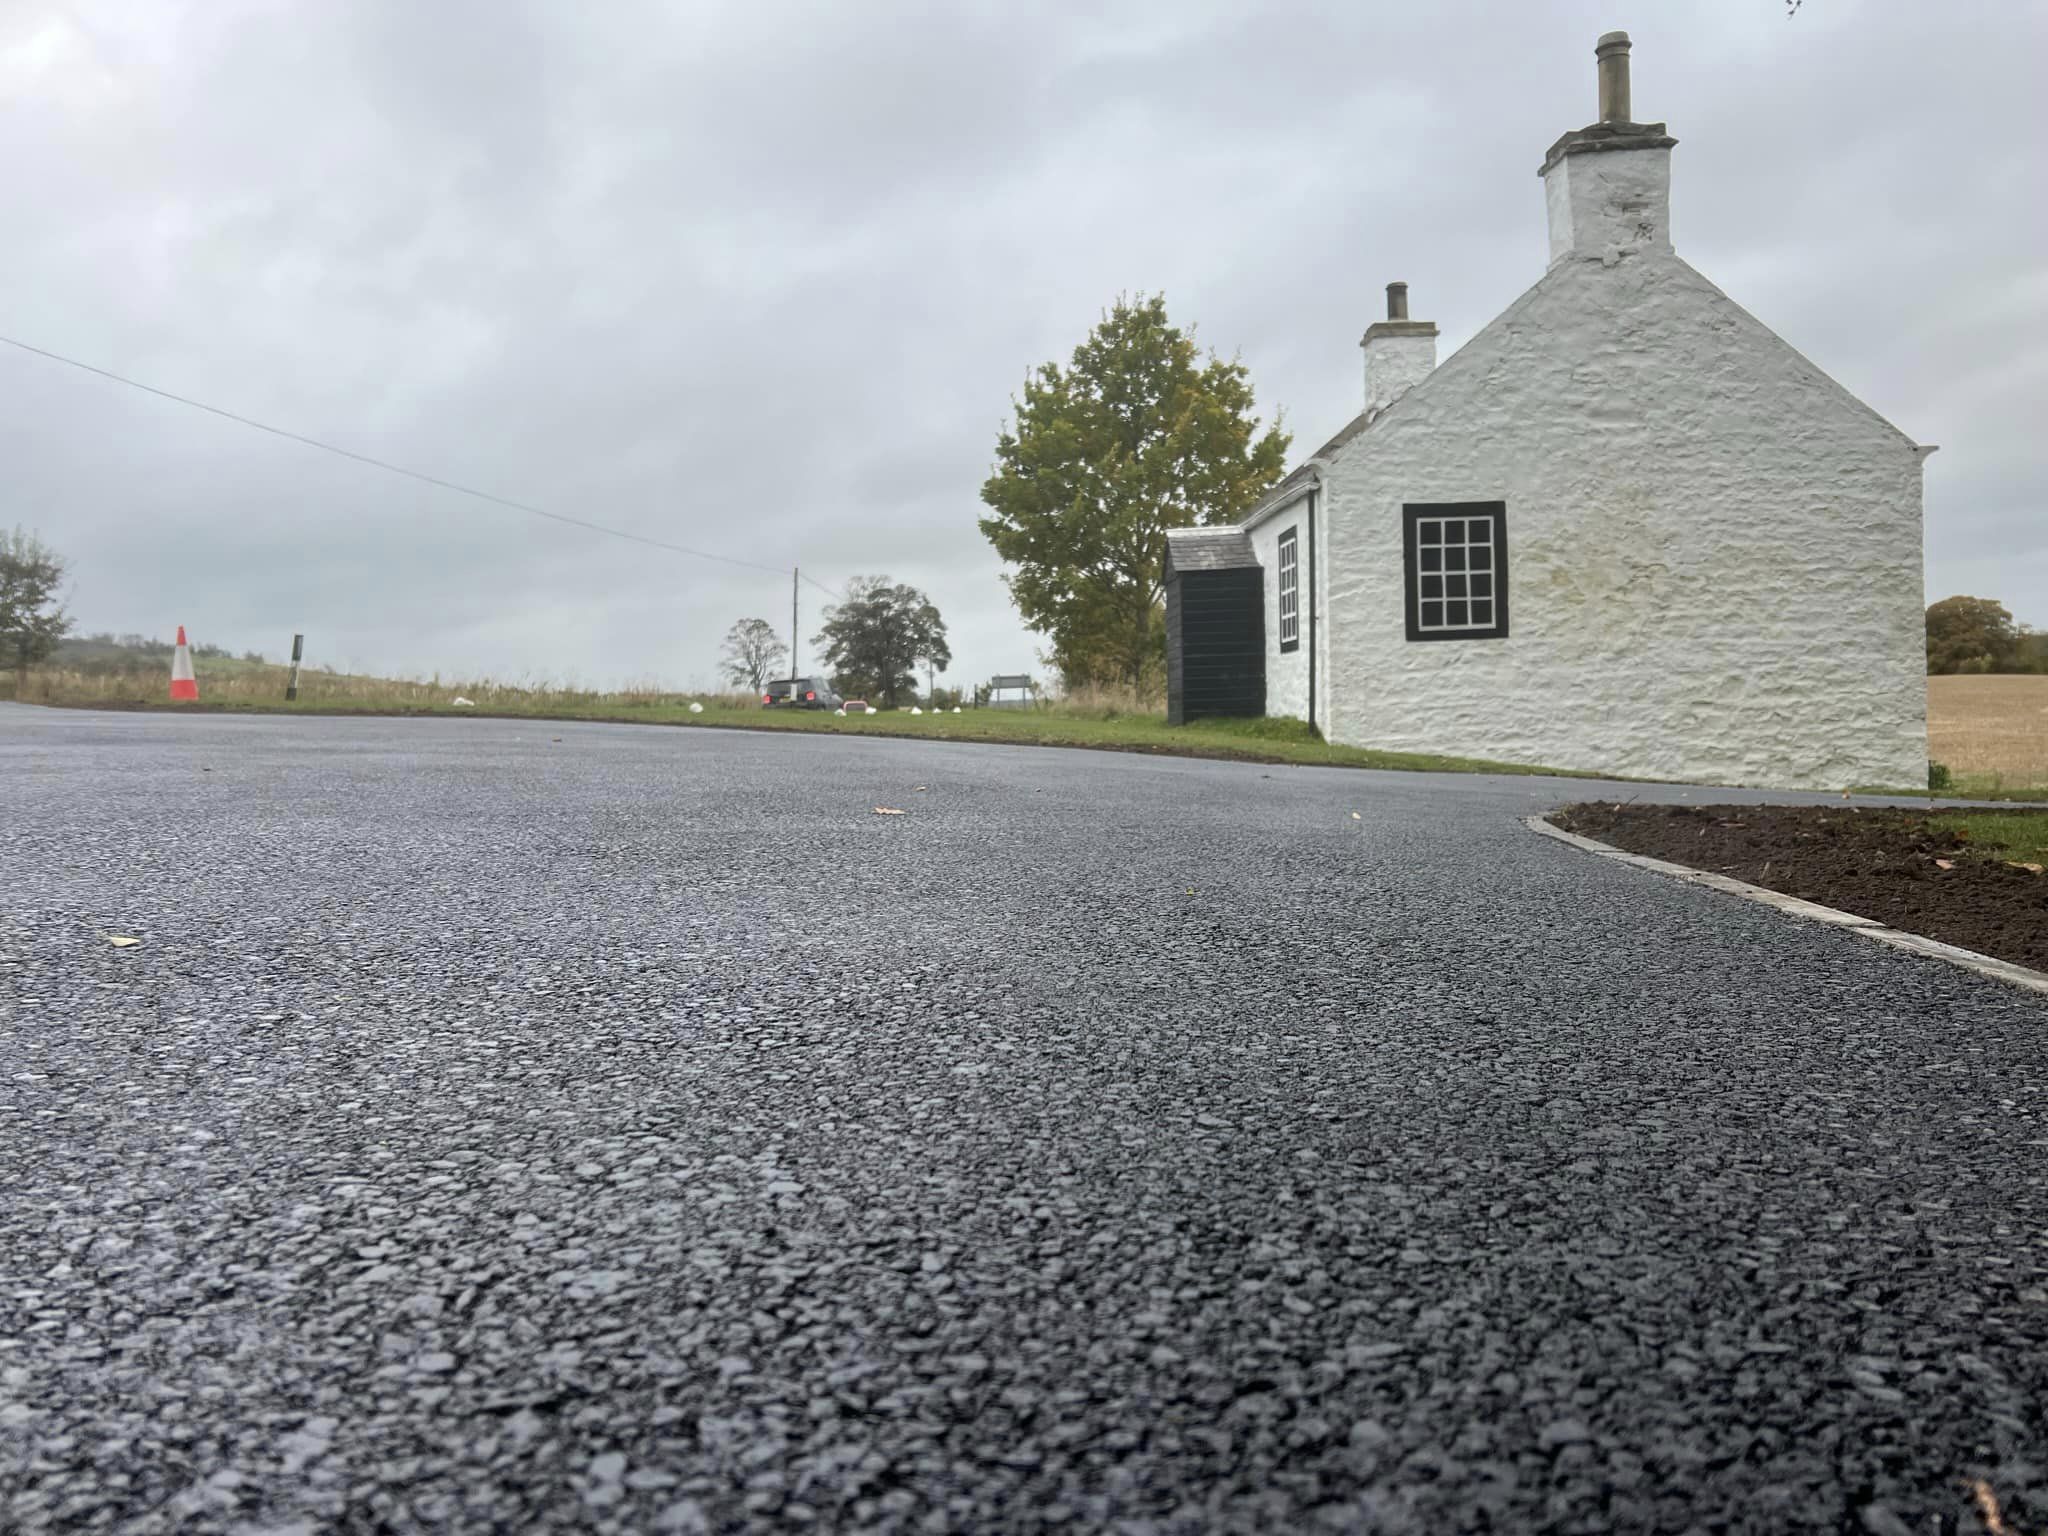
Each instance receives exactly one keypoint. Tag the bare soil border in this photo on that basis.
(1869, 928)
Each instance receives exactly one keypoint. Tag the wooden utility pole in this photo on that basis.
(291, 685)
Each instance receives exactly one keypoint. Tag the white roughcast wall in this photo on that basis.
(1714, 552)
(1286, 674)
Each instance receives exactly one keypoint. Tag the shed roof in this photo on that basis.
(1208, 549)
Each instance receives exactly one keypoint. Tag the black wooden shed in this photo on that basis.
(1215, 625)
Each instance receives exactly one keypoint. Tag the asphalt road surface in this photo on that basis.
(508, 1126)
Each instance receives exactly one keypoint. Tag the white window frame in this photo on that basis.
(1289, 607)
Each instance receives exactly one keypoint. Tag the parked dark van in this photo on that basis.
(800, 693)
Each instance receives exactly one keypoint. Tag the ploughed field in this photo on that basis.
(1990, 732)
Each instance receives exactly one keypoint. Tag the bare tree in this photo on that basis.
(753, 653)
(32, 620)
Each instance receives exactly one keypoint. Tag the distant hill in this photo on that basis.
(108, 652)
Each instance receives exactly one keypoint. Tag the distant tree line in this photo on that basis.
(106, 645)
(1976, 634)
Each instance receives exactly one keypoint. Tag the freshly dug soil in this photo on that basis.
(1878, 864)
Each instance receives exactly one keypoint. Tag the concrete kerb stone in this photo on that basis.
(1870, 928)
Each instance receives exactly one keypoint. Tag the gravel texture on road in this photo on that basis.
(512, 1126)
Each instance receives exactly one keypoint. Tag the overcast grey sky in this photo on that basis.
(761, 278)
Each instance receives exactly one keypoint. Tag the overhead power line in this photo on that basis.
(400, 469)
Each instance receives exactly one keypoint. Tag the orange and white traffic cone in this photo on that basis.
(183, 684)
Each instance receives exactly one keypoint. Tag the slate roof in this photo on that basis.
(1208, 549)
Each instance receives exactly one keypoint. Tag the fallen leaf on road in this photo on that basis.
(883, 810)
(917, 789)
(1944, 863)
(1988, 1510)
(122, 941)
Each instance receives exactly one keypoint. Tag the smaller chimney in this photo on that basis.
(1399, 352)
(1612, 52)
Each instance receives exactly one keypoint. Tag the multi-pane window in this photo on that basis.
(1457, 562)
(1290, 591)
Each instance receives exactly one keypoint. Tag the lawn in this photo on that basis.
(1994, 730)
(2021, 838)
(250, 689)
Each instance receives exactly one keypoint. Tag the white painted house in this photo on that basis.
(1625, 528)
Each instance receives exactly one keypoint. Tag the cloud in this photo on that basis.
(762, 278)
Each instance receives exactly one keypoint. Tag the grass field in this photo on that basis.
(1099, 721)
(1991, 732)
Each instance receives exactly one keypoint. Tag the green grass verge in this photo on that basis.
(1990, 787)
(1259, 741)
(1264, 740)
(2021, 836)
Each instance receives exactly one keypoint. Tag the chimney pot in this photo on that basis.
(1397, 301)
(1612, 52)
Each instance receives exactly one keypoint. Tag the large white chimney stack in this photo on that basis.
(1608, 186)
(1399, 352)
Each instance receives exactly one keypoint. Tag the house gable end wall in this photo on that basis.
(1715, 548)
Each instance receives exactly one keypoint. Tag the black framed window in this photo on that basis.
(1456, 553)
(1290, 591)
